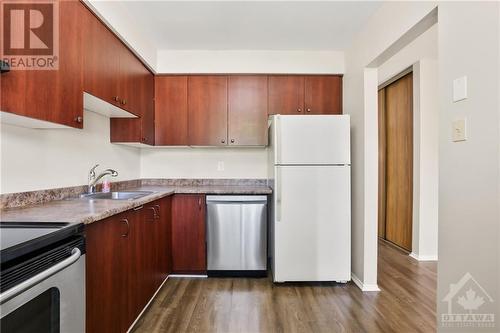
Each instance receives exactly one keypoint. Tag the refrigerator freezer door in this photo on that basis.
(312, 225)
(312, 140)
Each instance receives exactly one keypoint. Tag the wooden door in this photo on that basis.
(52, 95)
(107, 268)
(188, 234)
(323, 94)
(171, 111)
(399, 161)
(247, 110)
(102, 61)
(207, 110)
(286, 94)
(382, 144)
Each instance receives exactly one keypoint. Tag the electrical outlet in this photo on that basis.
(459, 130)
(220, 166)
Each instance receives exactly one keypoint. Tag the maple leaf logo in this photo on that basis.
(471, 301)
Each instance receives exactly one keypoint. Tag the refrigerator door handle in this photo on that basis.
(277, 136)
(278, 194)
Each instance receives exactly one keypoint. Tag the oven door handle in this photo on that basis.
(23, 286)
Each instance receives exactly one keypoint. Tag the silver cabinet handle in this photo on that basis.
(159, 211)
(222, 141)
(154, 212)
(25, 285)
(232, 140)
(138, 208)
(128, 227)
(199, 203)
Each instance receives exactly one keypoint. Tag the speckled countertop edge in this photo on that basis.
(80, 210)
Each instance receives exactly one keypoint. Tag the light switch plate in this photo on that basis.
(459, 130)
(460, 89)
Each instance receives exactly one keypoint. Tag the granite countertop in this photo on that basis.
(81, 210)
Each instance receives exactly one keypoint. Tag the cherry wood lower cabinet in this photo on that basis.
(188, 234)
(128, 257)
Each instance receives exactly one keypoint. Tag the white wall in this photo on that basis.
(426, 160)
(250, 61)
(469, 178)
(381, 33)
(35, 159)
(203, 163)
(421, 54)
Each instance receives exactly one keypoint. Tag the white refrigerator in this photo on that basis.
(309, 171)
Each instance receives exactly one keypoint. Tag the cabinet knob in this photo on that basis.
(222, 141)
(299, 110)
(308, 110)
(116, 98)
(124, 101)
(232, 140)
(79, 119)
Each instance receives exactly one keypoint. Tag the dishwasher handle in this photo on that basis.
(236, 199)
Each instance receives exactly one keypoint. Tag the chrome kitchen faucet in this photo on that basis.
(93, 179)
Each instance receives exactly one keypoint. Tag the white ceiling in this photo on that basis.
(248, 25)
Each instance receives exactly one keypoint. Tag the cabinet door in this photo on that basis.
(163, 238)
(140, 286)
(323, 94)
(140, 129)
(188, 234)
(207, 110)
(131, 72)
(102, 61)
(286, 94)
(247, 107)
(107, 268)
(171, 111)
(52, 95)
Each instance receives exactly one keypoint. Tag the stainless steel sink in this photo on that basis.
(120, 195)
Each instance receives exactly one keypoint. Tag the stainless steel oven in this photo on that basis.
(43, 287)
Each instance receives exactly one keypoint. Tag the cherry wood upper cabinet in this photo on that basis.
(286, 94)
(247, 107)
(171, 110)
(188, 234)
(52, 95)
(101, 59)
(323, 94)
(207, 110)
(140, 129)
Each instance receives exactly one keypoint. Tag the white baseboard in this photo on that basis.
(423, 258)
(362, 286)
(201, 276)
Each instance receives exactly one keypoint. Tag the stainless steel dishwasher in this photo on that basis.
(237, 235)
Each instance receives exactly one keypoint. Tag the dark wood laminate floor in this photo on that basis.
(406, 303)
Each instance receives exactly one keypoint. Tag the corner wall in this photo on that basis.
(380, 34)
(469, 178)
